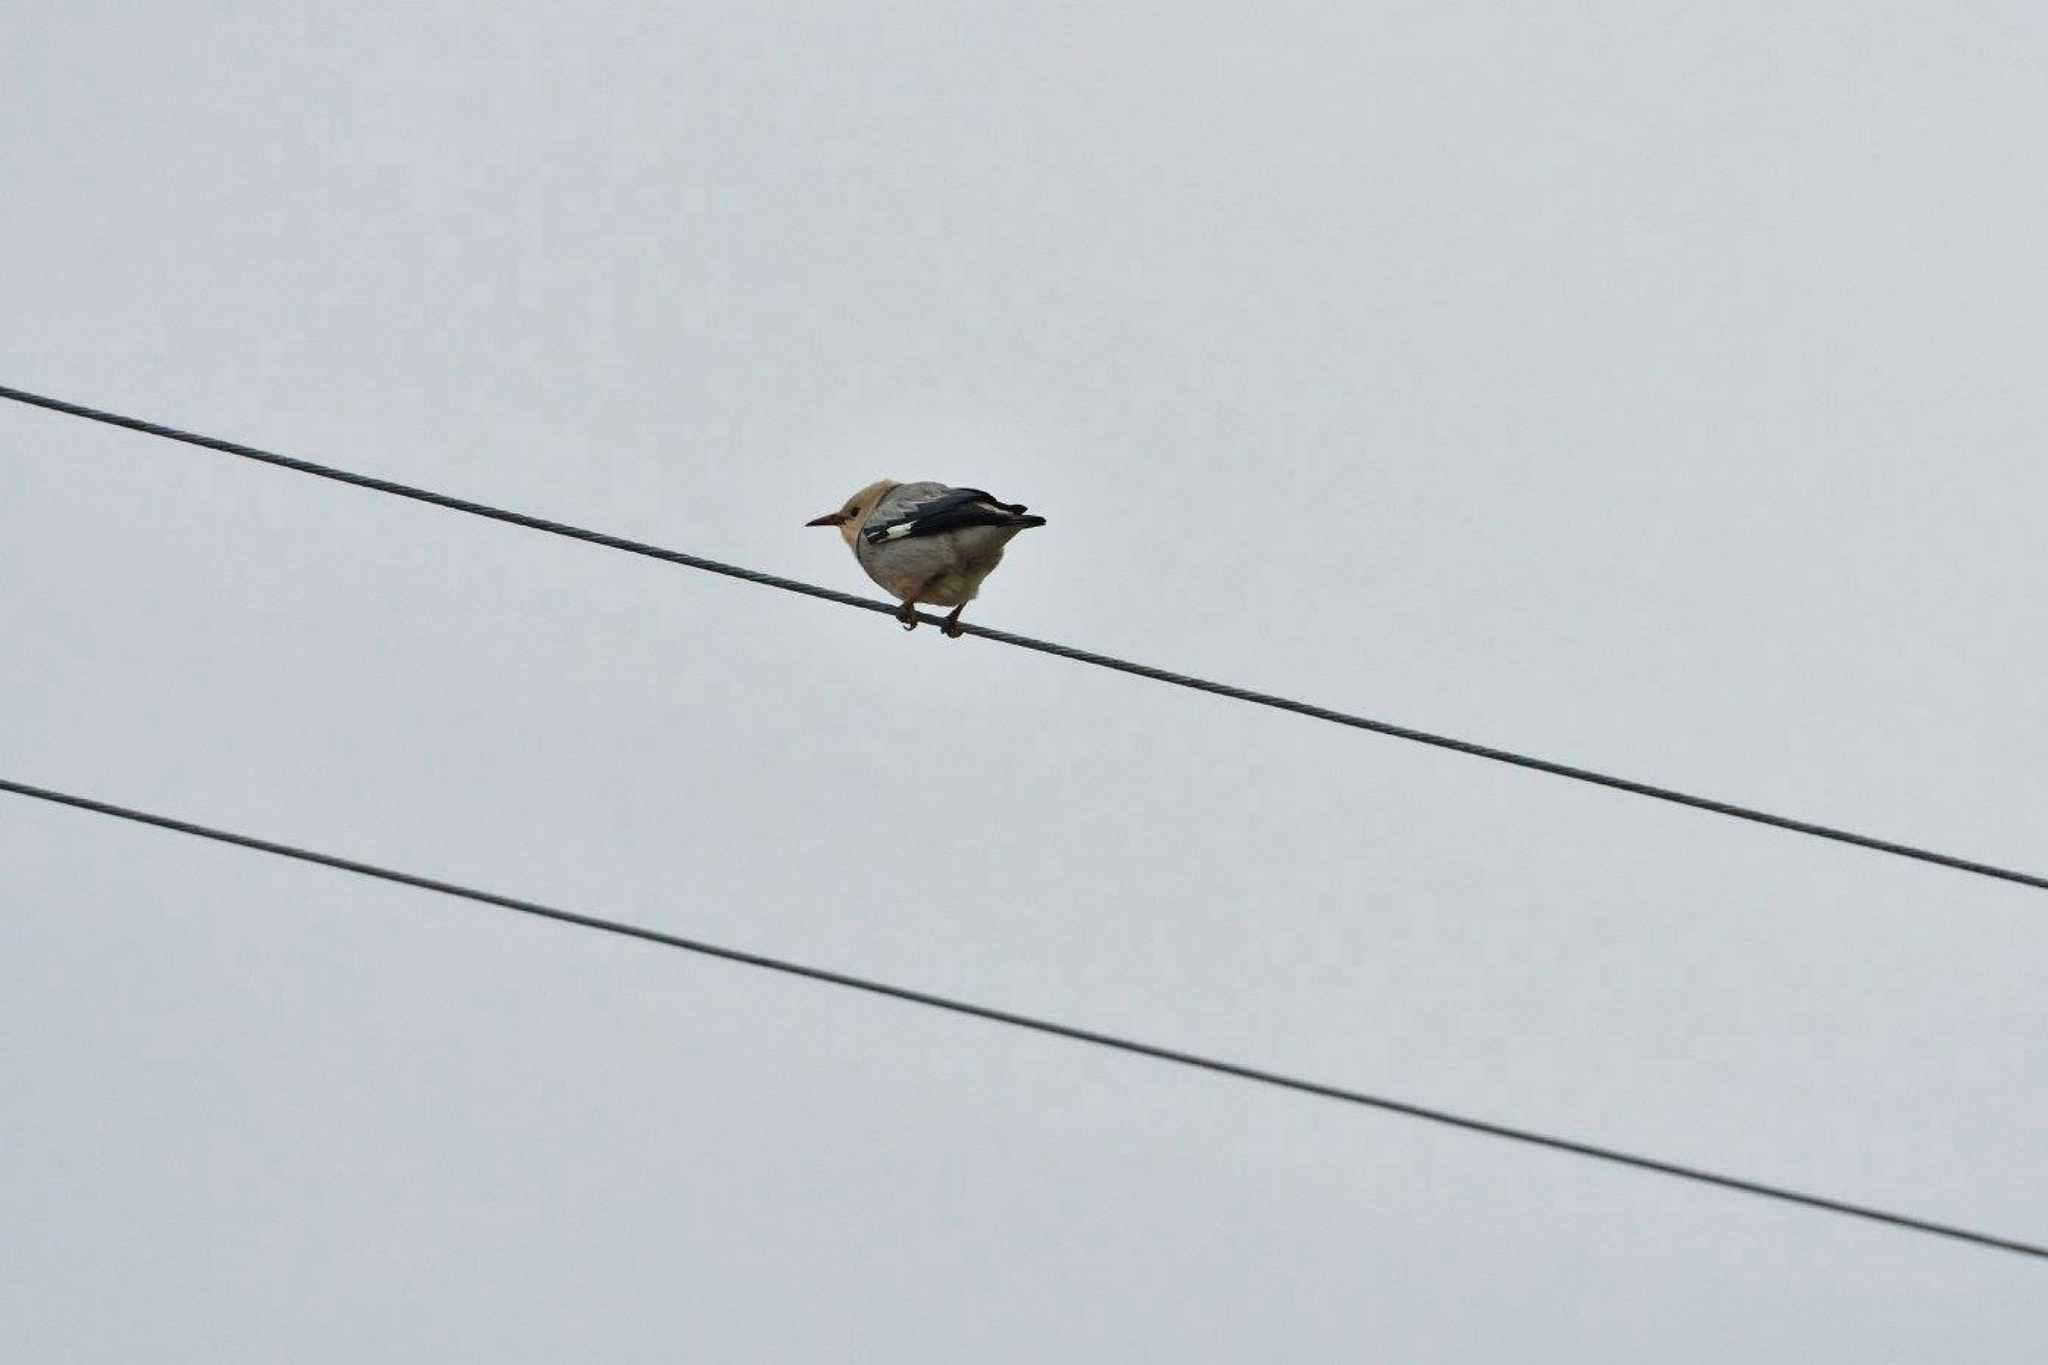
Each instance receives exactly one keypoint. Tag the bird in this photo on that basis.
(926, 542)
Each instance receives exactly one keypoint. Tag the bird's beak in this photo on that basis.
(829, 519)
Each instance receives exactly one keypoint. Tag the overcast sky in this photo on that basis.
(1654, 387)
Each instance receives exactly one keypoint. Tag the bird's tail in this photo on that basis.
(1016, 511)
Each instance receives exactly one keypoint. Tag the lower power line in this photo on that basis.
(1081, 1035)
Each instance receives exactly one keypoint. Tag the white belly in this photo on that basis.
(945, 571)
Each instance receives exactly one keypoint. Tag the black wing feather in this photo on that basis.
(954, 510)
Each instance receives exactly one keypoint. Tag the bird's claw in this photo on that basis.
(908, 616)
(952, 629)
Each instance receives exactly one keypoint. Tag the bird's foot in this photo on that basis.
(951, 625)
(908, 615)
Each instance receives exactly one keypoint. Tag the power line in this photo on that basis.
(1243, 694)
(1032, 1022)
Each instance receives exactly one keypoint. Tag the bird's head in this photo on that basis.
(849, 517)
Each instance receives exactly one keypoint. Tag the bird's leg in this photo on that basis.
(907, 614)
(952, 625)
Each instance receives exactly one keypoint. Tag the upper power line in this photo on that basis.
(1300, 708)
(1117, 1042)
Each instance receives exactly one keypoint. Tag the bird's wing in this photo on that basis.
(932, 509)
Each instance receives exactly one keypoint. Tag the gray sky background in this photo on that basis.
(1646, 386)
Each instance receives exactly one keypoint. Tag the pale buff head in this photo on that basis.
(849, 518)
